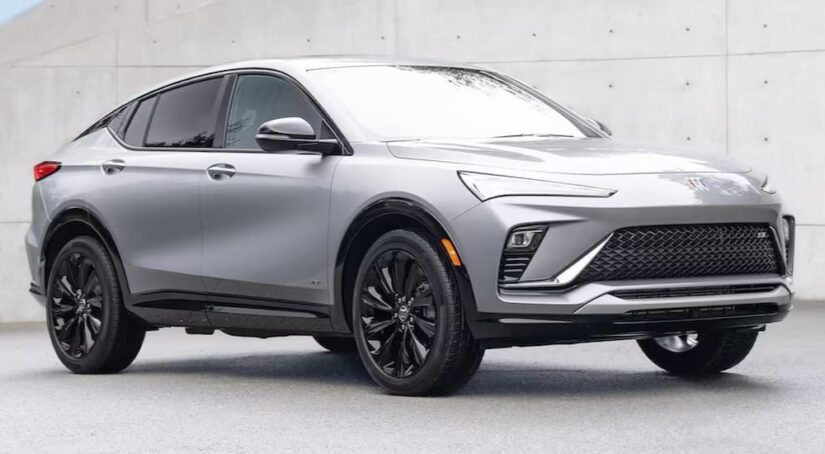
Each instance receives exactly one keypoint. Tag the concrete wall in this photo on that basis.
(737, 77)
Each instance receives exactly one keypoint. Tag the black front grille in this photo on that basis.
(698, 313)
(676, 251)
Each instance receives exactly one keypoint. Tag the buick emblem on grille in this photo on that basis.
(696, 183)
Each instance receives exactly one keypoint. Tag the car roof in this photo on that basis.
(293, 65)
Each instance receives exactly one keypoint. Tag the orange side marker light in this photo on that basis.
(448, 246)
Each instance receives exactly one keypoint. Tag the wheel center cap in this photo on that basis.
(403, 313)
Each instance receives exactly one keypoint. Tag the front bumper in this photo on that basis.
(637, 309)
(575, 226)
(507, 331)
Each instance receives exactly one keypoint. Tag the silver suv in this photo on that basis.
(415, 212)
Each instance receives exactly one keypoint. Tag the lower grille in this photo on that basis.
(513, 266)
(698, 313)
(677, 251)
(693, 291)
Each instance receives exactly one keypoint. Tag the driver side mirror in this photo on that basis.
(293, 134)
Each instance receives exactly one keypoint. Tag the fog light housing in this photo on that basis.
(524, 239)
(521, 244)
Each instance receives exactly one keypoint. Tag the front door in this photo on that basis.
(265, 215)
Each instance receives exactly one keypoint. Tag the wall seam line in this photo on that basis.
(727, 81)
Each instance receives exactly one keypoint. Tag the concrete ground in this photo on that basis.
(218, 393)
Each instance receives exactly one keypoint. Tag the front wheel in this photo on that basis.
(702, 353)
(409, 325)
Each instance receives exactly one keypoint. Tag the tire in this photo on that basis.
(90, 330)
(337, 344)
(714, 352)
(408, 321)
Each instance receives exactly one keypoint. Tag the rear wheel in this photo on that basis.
(408, 322)
(337, 344)
(90, 330)
(702, 353)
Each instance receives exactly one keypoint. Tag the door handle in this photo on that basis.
(220, 172)
(113, 166)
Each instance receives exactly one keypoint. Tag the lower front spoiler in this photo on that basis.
(506, 330)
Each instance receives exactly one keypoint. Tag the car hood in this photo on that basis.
(571, 156)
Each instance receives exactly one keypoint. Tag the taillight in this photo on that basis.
(45, 169)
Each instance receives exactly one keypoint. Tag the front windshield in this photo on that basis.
(428, 102)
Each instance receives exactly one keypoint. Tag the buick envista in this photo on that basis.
(414, 212)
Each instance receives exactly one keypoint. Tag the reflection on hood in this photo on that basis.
(573, 156)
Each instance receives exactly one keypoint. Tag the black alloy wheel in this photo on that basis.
(398, 313)
(77, 311)
(89, 327)
(408, 320)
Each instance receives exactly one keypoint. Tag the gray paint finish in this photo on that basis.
(274, 228)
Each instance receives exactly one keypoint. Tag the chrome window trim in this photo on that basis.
(345, 145)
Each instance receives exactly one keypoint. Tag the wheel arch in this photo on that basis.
(71, 223)
(373, 221)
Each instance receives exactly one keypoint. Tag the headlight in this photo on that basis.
(767, 186)
(486, 186)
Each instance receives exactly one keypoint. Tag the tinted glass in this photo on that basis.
(137, 127)
(116, 123)
(258, 99)
(186, 116)
(420, 102)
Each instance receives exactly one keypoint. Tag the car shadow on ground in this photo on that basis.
(323, 367)
(497, 379)
(606, 383)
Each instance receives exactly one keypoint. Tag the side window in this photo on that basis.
(258, 99)
(185, 117)
(118, 121)
(106, 121)
(136, 130)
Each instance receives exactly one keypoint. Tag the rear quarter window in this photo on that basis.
(136, 130)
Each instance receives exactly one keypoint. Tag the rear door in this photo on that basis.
(151, 202)
(265, 215)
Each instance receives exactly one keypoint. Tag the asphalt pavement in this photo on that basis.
(220, 393)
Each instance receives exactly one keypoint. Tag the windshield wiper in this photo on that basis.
(530, 135)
